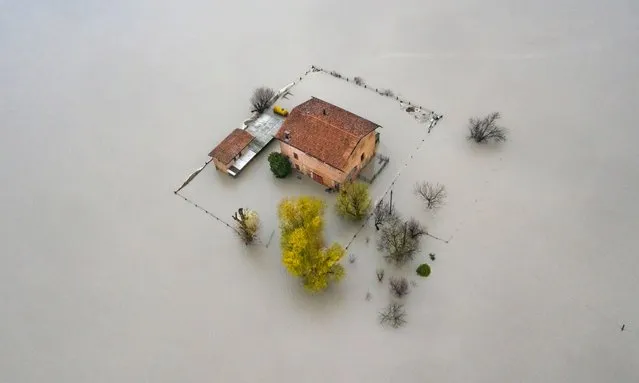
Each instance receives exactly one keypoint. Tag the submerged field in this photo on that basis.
(258, 189)
(107, 276)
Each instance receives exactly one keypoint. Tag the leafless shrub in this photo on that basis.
(415, 228)
(369, 296)
(383, 157)
(382, 213)
(387, 92)
(486, 129)
(399, 287)
(261, 98)
(400, 241)
(413, 284)
(334, 73)
(393, 315)
(434, 195)
(352, 258)
(380, 275)
(359, 81)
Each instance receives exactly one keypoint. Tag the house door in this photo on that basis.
(317, 178)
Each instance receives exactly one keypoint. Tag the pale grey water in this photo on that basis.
(106, 276)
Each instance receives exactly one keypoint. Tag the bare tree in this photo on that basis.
(382, 213)
(399, 287)
(433, 194)
(415, 228)
(400, 241)
(393, 315)
(261, 99)
(380, 275)
(359, 81)
(486, 129)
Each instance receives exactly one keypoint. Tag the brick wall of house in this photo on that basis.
(220, 166)
(308, 164)
(367, 147)
(224, 167)
(329, 175)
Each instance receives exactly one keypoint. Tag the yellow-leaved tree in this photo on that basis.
(303, 251)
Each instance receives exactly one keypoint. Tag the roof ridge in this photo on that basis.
(331, 125)
(342, 109)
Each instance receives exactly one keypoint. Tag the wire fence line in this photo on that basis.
(388, 189)
(220, 220)
(192, 176)
(382, 92)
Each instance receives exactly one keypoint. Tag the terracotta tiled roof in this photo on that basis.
(231, 146)
(324, 131)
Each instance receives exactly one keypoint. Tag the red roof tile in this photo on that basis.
(325, 131)
(231, 146)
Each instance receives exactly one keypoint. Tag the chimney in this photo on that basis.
(324, 111)
(287, 135)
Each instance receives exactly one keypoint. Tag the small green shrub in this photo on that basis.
(423, 270)
(280, 164)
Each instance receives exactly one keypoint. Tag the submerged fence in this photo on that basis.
(389, 188)
(429, 117)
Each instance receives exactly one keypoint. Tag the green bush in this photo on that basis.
(280, 164)
(423, 270)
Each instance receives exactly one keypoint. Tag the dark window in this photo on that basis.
(362, 157)
(295, 155)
